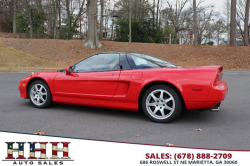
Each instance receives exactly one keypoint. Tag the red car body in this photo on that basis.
(200, 87)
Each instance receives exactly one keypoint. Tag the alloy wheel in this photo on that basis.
(38, 94)
(160, 104)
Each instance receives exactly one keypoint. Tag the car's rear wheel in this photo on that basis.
(161, 103)
(39, 94)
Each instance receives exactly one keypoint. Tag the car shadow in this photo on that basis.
(186, 116)
(191, 116)
(101, 111)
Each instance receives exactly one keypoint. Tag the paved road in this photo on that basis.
(227, 129)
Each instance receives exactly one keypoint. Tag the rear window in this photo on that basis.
(142, 61)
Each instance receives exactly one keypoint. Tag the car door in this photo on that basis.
(93, 80)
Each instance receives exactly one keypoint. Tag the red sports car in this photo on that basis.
(129, 81)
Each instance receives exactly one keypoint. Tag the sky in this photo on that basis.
(218, 4)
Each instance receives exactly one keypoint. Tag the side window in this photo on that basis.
(99, 62)
(137, 62)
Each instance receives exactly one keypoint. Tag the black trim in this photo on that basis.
(124, 62)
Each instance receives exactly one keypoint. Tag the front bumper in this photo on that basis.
(22, 89)
(23, 94)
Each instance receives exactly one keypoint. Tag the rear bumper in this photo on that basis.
(216, 95)
(218, 92)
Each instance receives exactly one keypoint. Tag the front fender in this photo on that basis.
(47, 77)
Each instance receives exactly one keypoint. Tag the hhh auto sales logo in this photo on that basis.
(45, 157)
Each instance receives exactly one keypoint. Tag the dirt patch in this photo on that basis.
(67, 52)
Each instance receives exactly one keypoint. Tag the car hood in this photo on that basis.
(43, 75)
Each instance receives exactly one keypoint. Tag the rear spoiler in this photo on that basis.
(219, 74)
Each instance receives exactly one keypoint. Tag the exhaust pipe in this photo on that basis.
(215, 108)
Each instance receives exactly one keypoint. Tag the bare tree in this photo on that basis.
(3, 21)
(40, 5)
(54, 16)
(59, 13)
(195, 24)
(246, 30)
(240, 18)
(204, 22)
(153, 12)
(178, 17)
(144, 10)
(68, 17)
(233, 24)
(80, 12)
(14, 16)
(219, 28)
(157, 13)
(101, 21)
(30, 19)
(92, 37)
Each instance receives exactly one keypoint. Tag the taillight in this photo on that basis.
(219, 74)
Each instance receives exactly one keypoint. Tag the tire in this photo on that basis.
(39, 94)
(162, 109)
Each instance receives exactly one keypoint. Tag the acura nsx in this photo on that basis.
(129, 81)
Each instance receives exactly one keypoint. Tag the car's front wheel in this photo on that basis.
(39, 94)
(161, 103)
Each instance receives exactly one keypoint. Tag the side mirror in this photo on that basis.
(68, 70)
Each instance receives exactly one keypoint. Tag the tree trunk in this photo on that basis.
(233, 24)
(218, 39)
(246, 29)
(92, 36)
(40, 5)
(101, 21)
(54, 18)
(135, 14)
(30, 19)
(176, 24)
(130, 22)
(79, 12)
(143, 10)
(140, 9)
(3, 21)
(68, 17)
(14, 17)
(154, 14)
(157, 13)
(195, 24)
(175, 36)
(59, 13)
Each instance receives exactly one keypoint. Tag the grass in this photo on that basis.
(12, 59)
